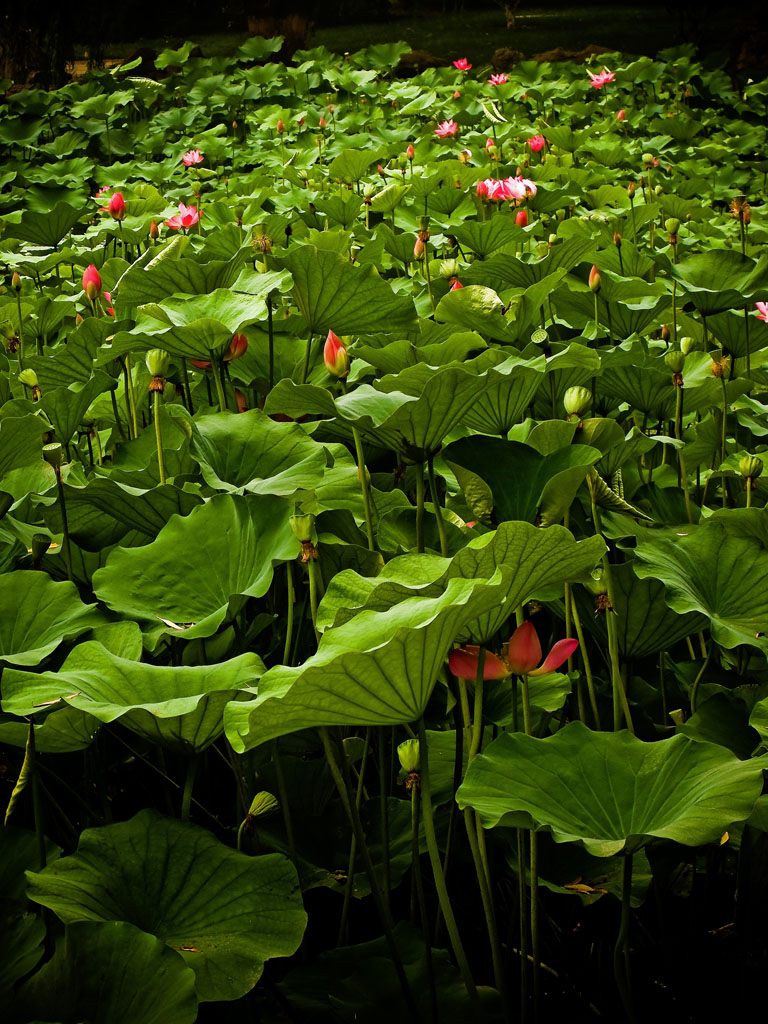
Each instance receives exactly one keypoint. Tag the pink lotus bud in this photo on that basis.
(410, 152)
(419, 249)
(91, 282)
(330, 107)
(280, 125)
(521, 218)
(242, 401)
(322, 122)
(594, 279)
(457, 95)
(335, 356)
(621, 115)
(117, 206)
(78, 319)
(237, 347)
(154, 230)
(16, 281)
(489, 145)
(631, 190)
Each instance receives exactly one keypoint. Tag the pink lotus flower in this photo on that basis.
(194, 156)
(91, 282)
(762, 311)
(537, 142)
(498, 79)
(187, 217)
(511, 189)
(110, 308)
(621, 114)
(447, 130)
(335, 356)
(599, 80)
(462, 65)
(522, 657)
(116, 206)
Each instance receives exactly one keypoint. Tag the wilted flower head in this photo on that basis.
(537, 142)
(194, 156)
(465, 156)
(599, 80)
(741, 210)
(462, 64)
(187, 217)
(447, 130)
(498, 79)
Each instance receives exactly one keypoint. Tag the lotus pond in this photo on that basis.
(383, 552)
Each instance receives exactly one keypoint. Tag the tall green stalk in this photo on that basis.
(365, 486)
(438, 509)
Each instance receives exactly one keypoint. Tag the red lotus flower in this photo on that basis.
(498, 79)
(489, 145)
(185, 218)
(447, 130)
(521, 218)
(335, 356)
(762, 311)
(599, 80)
(537, 142)
(194, 156)
(116, 206)
(242, 401)
(522, 657)
(462, 65)
(91, 282)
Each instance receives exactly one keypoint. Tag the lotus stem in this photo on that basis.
(270, 331)
(64, 523)
(216, 372)
(587, 666)
(438, 509)
(420, 507)
(315, 592)
(386, 921)
(365, 487)
(749, 492)
(289, 613)
(621, 949)
(116, 414)
(697, 681)
(723, 476)
(156, 406)
(384, 812)
(437, 870)
(189, 783)
(307, 354)
(21, 331)
(681, 452)
(187, 391)
(523, 900)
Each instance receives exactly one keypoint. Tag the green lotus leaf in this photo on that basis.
(523, 481)
(351, 165)
(611, 791)
(36, 615)
(21, 441)
(21, 947)
(721, 279)
(46, 229)
(334, 295)
(111, 972)
(509, 391)
(104, 511)
(59, 732)
(252, 451)
(712, 570)
(485, 237)
(225, 913)
(66, 407)
(176, 706)
(501, 271)
(186, 577)
(531, 561)
(376, 669)
(475, 308)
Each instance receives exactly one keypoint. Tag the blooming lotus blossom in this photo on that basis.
(498, 79)
(447, 130)
(187, 217)
(194, 156)
(116, 206)
(510, 189)
(537, 142)
(522, 657)
(335, 356)
(762, 311)
(462, 65)
(91, 282)
(599, 80)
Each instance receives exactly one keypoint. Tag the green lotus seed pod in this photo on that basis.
(449, 268)
(302, 527)
(539, 336)
(577, 401)
(28, 377)
(657, 190)
(53, 454)
(750, 466)
(408, 753)
(647, 158)
(675, 360)
(262, 803)
(688, 345)
(158, 361)
(672, 225)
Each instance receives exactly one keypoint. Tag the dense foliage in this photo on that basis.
(383, 558)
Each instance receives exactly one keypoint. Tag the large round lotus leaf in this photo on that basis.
(644, 623)
(254, 452)
(176, 706)
(509, 391)
(377, 669)
(109, 973)
(721, 279)
(611, 790)
(186, 576)
(36, 614)
(715, 571)
(60, 731)
(224, 912)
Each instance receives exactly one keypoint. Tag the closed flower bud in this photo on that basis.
(237, 348)
(419, 249)
(577, 401)
(280, 125)
(666, 334)
(154, 230)
(91, 282)
(688, 345)
(621, 114)
(335, 356)
(617, 239)
(521, 218)
(672, 225)
(117, 206)
(647, 159)
(322, 122)
(594, 279)
(410, 152)
(750, 466)
(16, 281)
(631, 190)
